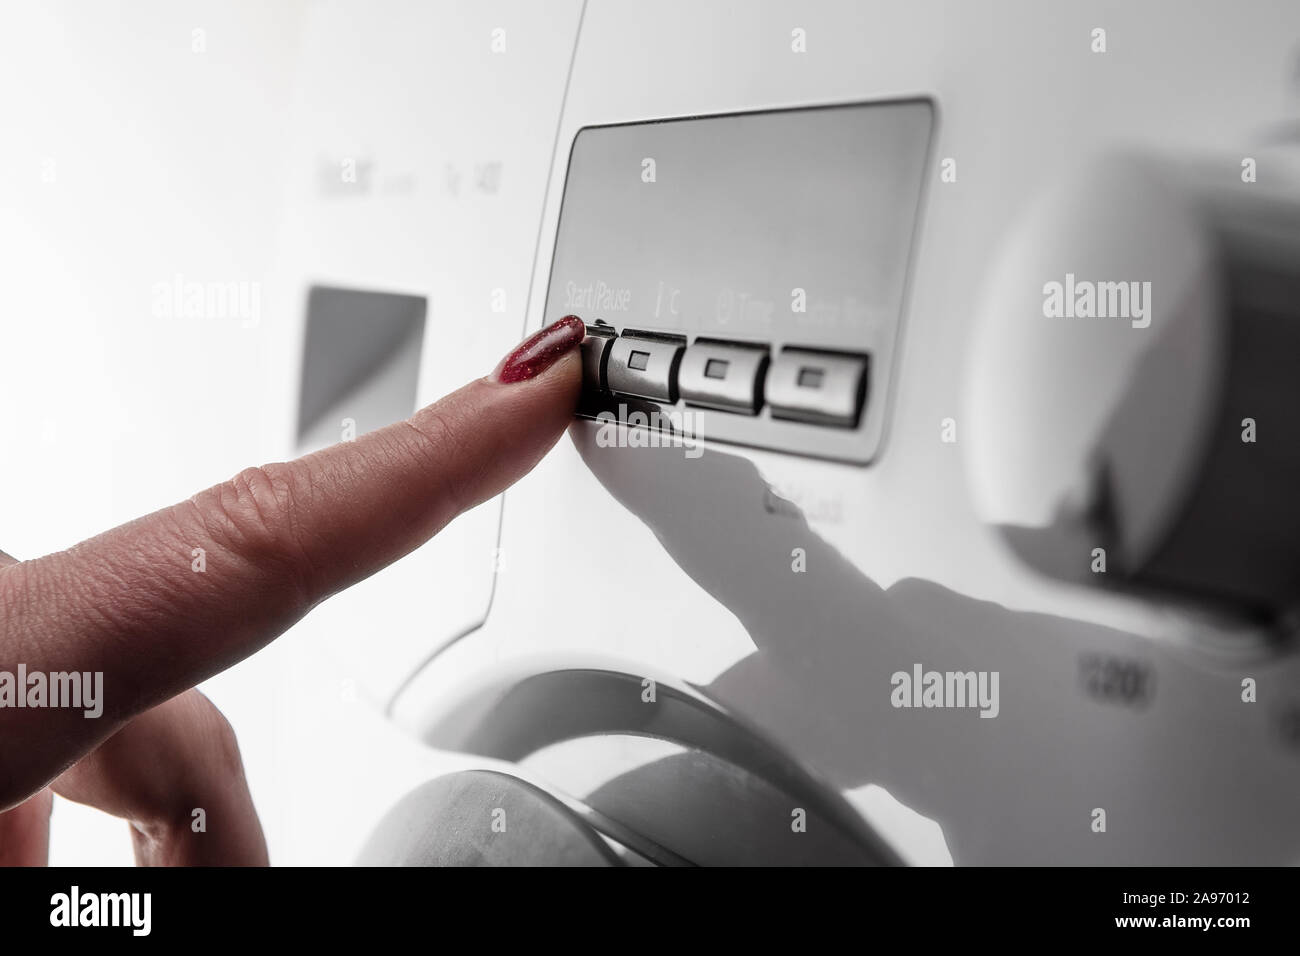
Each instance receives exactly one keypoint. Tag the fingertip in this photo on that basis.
(540, 351)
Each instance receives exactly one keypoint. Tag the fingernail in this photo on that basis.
(540, 350)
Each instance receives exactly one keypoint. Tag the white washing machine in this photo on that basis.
(912, 512)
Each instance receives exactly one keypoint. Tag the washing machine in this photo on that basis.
(932, 496)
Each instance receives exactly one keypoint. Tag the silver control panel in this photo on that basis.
(751, 266)
(805, 385)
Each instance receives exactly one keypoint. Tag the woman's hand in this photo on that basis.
(278, 540)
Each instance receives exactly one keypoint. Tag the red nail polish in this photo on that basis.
(539, 351)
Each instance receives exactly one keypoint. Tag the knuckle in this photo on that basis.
(256, 503)
(256, 512)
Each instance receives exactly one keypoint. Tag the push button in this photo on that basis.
(595, 352)
(644, 366)
(728, 377)
(819, 387)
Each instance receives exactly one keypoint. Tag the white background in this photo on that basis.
(164, 162)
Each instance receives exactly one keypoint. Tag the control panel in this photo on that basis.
(749, 269)
(804, 385)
